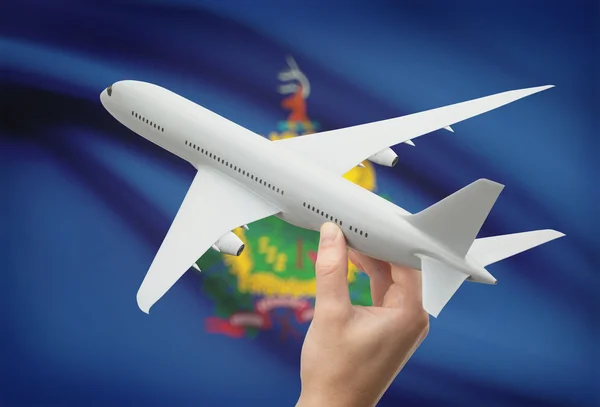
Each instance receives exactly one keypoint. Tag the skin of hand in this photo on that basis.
(351, 354)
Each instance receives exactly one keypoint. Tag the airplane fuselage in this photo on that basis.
(306, 194)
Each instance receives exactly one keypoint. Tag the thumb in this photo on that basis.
(332, 271)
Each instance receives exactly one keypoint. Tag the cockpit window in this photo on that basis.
(109, 90)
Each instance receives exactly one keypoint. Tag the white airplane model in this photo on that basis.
(243, 177)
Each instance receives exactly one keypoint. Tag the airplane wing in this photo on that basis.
(213, 206)
(343, 149)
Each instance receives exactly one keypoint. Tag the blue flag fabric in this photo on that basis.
(86, 202)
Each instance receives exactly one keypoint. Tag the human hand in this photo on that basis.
(351, 354)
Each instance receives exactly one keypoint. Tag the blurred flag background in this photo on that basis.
(85, 202)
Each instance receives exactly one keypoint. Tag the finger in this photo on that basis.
(332, 271)
(406, 290)
(378, 272)
(410, 280)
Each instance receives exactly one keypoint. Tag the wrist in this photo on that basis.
(325, 398)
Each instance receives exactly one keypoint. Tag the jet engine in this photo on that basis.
(385, 157)
(229, 243)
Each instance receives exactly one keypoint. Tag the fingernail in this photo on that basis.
(329, 232)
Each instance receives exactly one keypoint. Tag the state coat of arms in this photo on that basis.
(271, 285)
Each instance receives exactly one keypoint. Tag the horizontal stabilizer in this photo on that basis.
(456, 220)
(490, 250)
(440, 282)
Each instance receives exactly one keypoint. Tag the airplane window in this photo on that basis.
(361, 232)
(132, 112)
(340, 223)
(366, 234)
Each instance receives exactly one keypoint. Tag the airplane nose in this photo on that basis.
(103, 97)
(106, 94)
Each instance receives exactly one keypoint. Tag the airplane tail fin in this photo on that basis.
(490, 250)
(455, 221)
